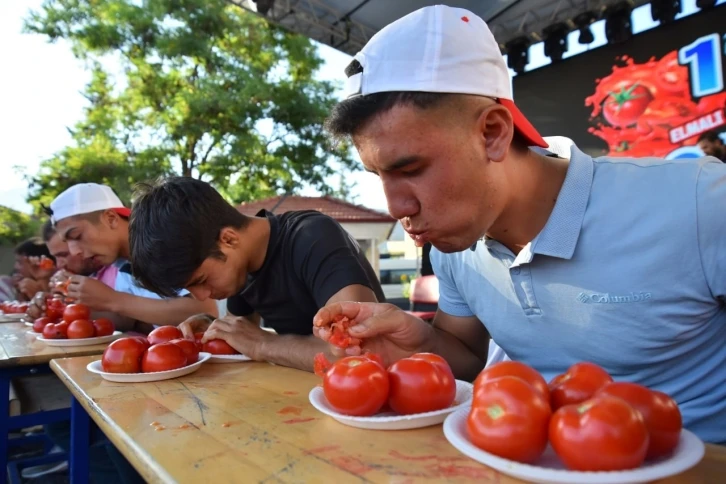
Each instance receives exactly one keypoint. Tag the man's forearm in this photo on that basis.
(294, 351)
(160, 311)
(465, 364)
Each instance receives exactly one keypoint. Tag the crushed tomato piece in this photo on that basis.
(321, 365)
(339, 333)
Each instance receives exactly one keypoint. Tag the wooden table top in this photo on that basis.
(18, 348)
(253, 422)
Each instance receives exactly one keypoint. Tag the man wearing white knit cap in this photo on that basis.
(94, 222)
(559, 259)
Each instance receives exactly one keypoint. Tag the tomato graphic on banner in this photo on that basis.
(660, 107)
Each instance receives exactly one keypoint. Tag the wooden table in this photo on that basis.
(252, 422)
(20, 355)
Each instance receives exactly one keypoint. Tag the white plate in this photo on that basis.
(391, 420)
(12, 317)
(95, 367)
(29, 324)
(229, 358)
(78, 341)
(550, 470)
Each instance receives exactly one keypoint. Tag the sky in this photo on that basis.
(40, 98)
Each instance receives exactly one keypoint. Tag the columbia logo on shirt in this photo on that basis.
(596, 298)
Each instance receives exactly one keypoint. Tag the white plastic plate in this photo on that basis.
(95, 367)
(29, 324)
(391, 420)
(12, 316)
(550, 470)
(229, 358)
(79, 341)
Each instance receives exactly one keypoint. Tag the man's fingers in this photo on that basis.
(186, 330)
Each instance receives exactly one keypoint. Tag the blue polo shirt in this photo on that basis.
(629, 272)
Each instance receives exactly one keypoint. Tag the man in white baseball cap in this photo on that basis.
(559, 259)
(95, 223)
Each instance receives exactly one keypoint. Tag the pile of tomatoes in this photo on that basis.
(71, 322)
(592, 422)
(13, 307)
(361, 386)
(164, 349)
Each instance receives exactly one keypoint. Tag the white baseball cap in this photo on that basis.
(86, 198)
(438, 49)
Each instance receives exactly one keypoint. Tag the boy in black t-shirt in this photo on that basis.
(280, 268)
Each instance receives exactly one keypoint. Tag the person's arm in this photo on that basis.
(463, 342)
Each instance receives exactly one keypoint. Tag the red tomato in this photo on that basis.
(143, 340)
(54, 309)
(356, 386)
(62, 326)
(421, 383)
(74, 312)
(40, 323)
(189, 347)
(81, 328)
(124, 355)
(509, 418)
(513, 368)
(339, 332)
(321, 364)
(624, 107)
(163, 357)
(602, 434)
(164, 334)
(53, 331)
(104, 327)
(219, 347)
(660, 413)
(46, 263)
(578, 384)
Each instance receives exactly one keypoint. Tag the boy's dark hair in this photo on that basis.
(32, 247)
(47, 231)
(174, 226)
(711, 136)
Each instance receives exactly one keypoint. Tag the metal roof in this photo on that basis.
(348, 24)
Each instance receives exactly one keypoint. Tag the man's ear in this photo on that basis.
(110, 218)
(228, 237)
(497, 130)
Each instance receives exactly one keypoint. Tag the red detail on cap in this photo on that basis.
(123, 211)
(465, 19)
(523, 126)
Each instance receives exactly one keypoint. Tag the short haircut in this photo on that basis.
(47, 231)
(32, 247)
(711, 136)
(175, 225)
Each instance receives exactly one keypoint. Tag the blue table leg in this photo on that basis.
(4, 424)
(80, 443)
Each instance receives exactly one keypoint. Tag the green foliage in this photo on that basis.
(16, 226)
(207, 90)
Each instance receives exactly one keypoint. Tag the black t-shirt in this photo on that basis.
(310, 257)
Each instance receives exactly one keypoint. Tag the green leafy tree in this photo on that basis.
(207, 90)
(16, 226)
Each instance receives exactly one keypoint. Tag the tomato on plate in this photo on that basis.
(41, 323)
(623, 107)
(218, 347)
(103, 327)
(124, 355)
(163, 357)
(601, 434)
(54, 331)
(509, 418)
(423, 382)
(189, 347)
(164, 334)
(143, 341)
(54, 309)
(513, 368)
(74, 312)
(578, 384)
(339, 335)
(356, 386)
(660, 413)
(81, 328)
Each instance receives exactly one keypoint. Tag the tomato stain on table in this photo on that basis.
(397, 455)
(299, 420)
(154, 424)
(289, 393)
(159, 428)
(290, 409)
(226, 424)
(184, 426)
(320, 450)
(452, 471)
(350, 464)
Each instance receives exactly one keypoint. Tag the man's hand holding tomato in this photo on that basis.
(241, 334)
(29, 286)
(91, 292)
(198, 323)
(383, 328)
